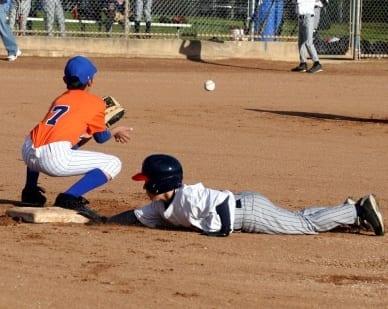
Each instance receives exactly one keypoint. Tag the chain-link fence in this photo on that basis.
(344, 26)
(374, 29)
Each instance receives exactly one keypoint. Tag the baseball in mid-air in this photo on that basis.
(210, 85)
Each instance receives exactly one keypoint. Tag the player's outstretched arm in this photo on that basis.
(121, 134)
(124, 218)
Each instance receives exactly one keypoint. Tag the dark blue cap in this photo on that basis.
(80, 67)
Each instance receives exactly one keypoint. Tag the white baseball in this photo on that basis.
(210, 85)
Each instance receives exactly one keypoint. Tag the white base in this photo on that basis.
(46, 215)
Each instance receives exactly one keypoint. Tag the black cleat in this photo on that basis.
(317, 67)
(302, 67)
(33, 197)
(371, 213)
(78, 204)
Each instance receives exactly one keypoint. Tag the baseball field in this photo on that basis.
(300, 139)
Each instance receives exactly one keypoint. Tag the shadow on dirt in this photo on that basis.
(321, 116)
(192, 49)
(10, 202)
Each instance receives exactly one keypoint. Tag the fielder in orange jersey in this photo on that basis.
(52, 145)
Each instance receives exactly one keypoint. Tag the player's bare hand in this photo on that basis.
(121, 134)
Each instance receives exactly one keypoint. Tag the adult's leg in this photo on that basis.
(317, 17)
(49, 10)
(302, 38)
(25, 11)
(138, 10)
(148, 11)
(12, 13)
(60, 17)
(309, 43)
(6, 33)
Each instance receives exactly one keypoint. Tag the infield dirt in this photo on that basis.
(300, 139)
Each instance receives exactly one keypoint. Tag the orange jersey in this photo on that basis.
(71, 115)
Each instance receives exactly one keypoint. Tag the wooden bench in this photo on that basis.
(86, 21)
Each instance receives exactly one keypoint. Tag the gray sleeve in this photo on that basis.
(124, 218)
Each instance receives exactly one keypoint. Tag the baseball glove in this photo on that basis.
(118, 17)
(179, 19)
(114, 111)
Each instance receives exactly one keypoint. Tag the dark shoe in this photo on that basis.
(371, 213)
(78, 204)
(360, 223)
(302, 67)
(148, 27)
(137, 26)
(315, 68)
(70, 202)
(33, 197)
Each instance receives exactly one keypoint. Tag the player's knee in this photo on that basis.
(114, 167)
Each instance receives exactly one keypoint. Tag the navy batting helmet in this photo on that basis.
(161, 173)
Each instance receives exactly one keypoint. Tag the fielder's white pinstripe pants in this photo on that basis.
(58, 159)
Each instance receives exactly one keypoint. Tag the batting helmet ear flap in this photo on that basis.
(163, 185)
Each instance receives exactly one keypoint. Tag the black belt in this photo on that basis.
(303, 16)
(238, 204)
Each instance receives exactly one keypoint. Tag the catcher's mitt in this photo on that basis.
(114, 111)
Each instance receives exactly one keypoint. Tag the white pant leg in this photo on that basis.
(138, 10)
(60, 16)
(305, 39)
(58, 159)
(148, 10)
(327, 218)
(49, 10)
(25, 11)
(317, 17)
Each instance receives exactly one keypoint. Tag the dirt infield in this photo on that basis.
(300, 139)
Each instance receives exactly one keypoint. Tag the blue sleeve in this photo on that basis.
(102, 137)
(224, 214)
(7, 4)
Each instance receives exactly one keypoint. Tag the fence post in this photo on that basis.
(356, 29)
(126, 18)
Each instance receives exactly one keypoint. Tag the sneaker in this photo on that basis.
(360, 223)
(302, 67)
(315, 68)
(350, 200)
(371, 213)
(78, 204)
(14, 57)
(33, 197)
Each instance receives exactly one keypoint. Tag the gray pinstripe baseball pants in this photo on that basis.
(257, 214)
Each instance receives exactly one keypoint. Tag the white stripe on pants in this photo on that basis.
(58, 159)
(259, 215)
